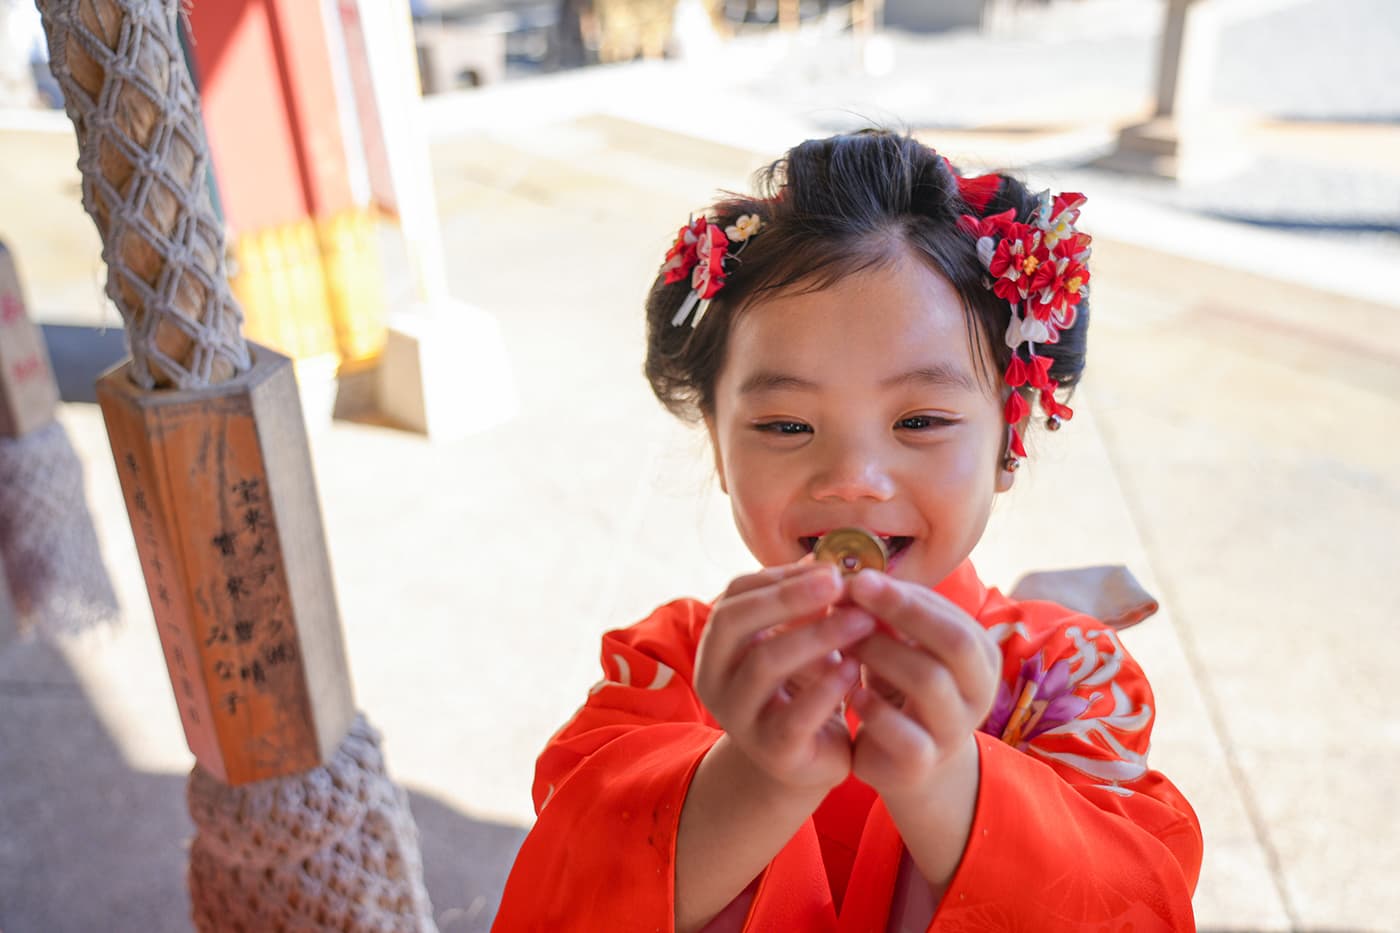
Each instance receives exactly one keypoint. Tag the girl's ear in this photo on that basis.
(1005, 478)
(714, 447)
(1006, 465)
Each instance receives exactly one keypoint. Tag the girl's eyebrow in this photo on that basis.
(936, 374)
(766, 380)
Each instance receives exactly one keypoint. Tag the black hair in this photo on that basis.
(829, 208)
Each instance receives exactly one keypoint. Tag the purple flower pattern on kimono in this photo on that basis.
(1039, 700)
(1057, 713)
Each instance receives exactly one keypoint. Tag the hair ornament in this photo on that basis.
(700, 252)
(1041, 270)
(979, 191)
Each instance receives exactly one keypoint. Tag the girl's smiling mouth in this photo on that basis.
(894, 544)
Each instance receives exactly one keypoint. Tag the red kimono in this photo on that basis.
(1072, 830)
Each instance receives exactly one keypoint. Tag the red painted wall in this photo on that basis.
(270, 111)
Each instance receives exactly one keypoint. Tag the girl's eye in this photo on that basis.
(922, 422)
(783, 427)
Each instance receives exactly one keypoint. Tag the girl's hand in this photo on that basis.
(766, 629)
(932, 685)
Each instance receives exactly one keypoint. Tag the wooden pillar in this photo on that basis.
(28, 399)
(789, 15)
(1184, 139)
(306, 265)
(867, 16)
(219, 485)
(28, 391)
(874, 46)
(216, 471)
(439, 350)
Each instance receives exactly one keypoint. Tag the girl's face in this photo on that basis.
(860, 404)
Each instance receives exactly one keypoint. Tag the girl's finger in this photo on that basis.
(737, 620)
(766, 577)
(935, 623)
(768, 664)
(809, 674)
(790, 722)
(921, 678)
(899, 740)
(882, 687)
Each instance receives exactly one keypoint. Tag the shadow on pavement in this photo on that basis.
(1368, 119)
(465, 863)
(80, 354)
(89, 843)
(1304, 224)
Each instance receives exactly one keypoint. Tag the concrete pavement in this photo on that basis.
(1233, 444)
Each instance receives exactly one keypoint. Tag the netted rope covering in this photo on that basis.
(332, 849)
(144, 161)
(48, 545)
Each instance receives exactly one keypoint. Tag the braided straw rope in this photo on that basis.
(50, 552)
(332, 849)
(144, 161)
(336, 847)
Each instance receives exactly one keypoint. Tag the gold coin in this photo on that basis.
(851, 549)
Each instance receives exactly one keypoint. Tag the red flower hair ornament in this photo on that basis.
(700, 251)
(1041, 270)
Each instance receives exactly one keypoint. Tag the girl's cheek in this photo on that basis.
(964, 464)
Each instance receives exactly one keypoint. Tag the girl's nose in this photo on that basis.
(852, 474)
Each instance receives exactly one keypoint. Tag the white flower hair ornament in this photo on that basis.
(1041, 269)
(700, 252)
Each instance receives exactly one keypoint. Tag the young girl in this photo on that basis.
(878, 751)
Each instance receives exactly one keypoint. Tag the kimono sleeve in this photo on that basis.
(610, 785)
(1072, 827)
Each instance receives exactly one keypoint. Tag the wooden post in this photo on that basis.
(867, 16)
(789, 15)
(216, 471)
(308, 272)
(1181, 140)
(439, 351)
(219, 487)
(51, 571)
(874, 47)
(28, 390)
(28, 397)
